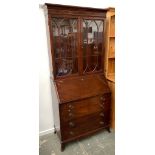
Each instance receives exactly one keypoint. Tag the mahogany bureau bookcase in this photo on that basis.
(77, 55)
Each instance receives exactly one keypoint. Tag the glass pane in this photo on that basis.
(65, 45)
(92, 45)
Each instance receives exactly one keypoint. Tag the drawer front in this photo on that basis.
(74, 110)
(85, 124)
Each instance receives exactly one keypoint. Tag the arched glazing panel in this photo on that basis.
(92, 45)
(65, 46)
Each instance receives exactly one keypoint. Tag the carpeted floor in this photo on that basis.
(102, 143)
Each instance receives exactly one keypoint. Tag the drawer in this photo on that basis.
(74, 110)
(85, 124)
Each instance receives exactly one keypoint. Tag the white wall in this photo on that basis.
(45, 90)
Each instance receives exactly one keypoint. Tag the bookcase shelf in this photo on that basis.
(110, 47)
(110, 36)
(112, 25)
(109, 65)
(77, 47)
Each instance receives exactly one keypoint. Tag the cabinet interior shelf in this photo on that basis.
(111, 56)
(111, 36)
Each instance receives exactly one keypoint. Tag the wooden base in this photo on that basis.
(64, 143)
(108, 129)
(62, 147)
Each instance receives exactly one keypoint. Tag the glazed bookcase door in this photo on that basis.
(92, 45)
(65, 42)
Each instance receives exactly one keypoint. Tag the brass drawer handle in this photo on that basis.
(102, 98)
(70, 114)
(69, 110)
(101, 123)
(71, 133)
(71, 124)
(101, 105)
(102, 114)
(102, 102)
(70, 106)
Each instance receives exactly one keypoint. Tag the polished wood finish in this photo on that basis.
(78, 87)
(84, 107)
(85, 124)
(77, 55)
(64, 10)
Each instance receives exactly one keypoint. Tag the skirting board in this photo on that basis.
(42, 133)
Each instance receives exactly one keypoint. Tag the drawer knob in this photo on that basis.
(101, 105)
(70, 106)
(70, 114)
(102, 98)
(102, 114)
(101, 123)
(71, 133)
(71, 124)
